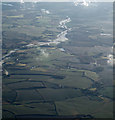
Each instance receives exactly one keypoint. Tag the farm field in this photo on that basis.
(56, 60)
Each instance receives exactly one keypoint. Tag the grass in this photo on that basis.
(29, 109)
(59, 94)
(83, 105)
(24, 85)
(28, 28)
(8, 80)
(92, 75)
(53, 54)
(8, 114)
(27, 95)
(72, 79)
(31, 77)
(9, 95)
(18, 16)
(107, 92)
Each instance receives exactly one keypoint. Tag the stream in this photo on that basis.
(60, 38)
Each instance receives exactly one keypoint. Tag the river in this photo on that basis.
(60, 38)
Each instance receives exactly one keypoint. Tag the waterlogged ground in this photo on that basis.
(56, 60)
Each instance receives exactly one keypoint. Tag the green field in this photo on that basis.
(55, 67)
(83, 105)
